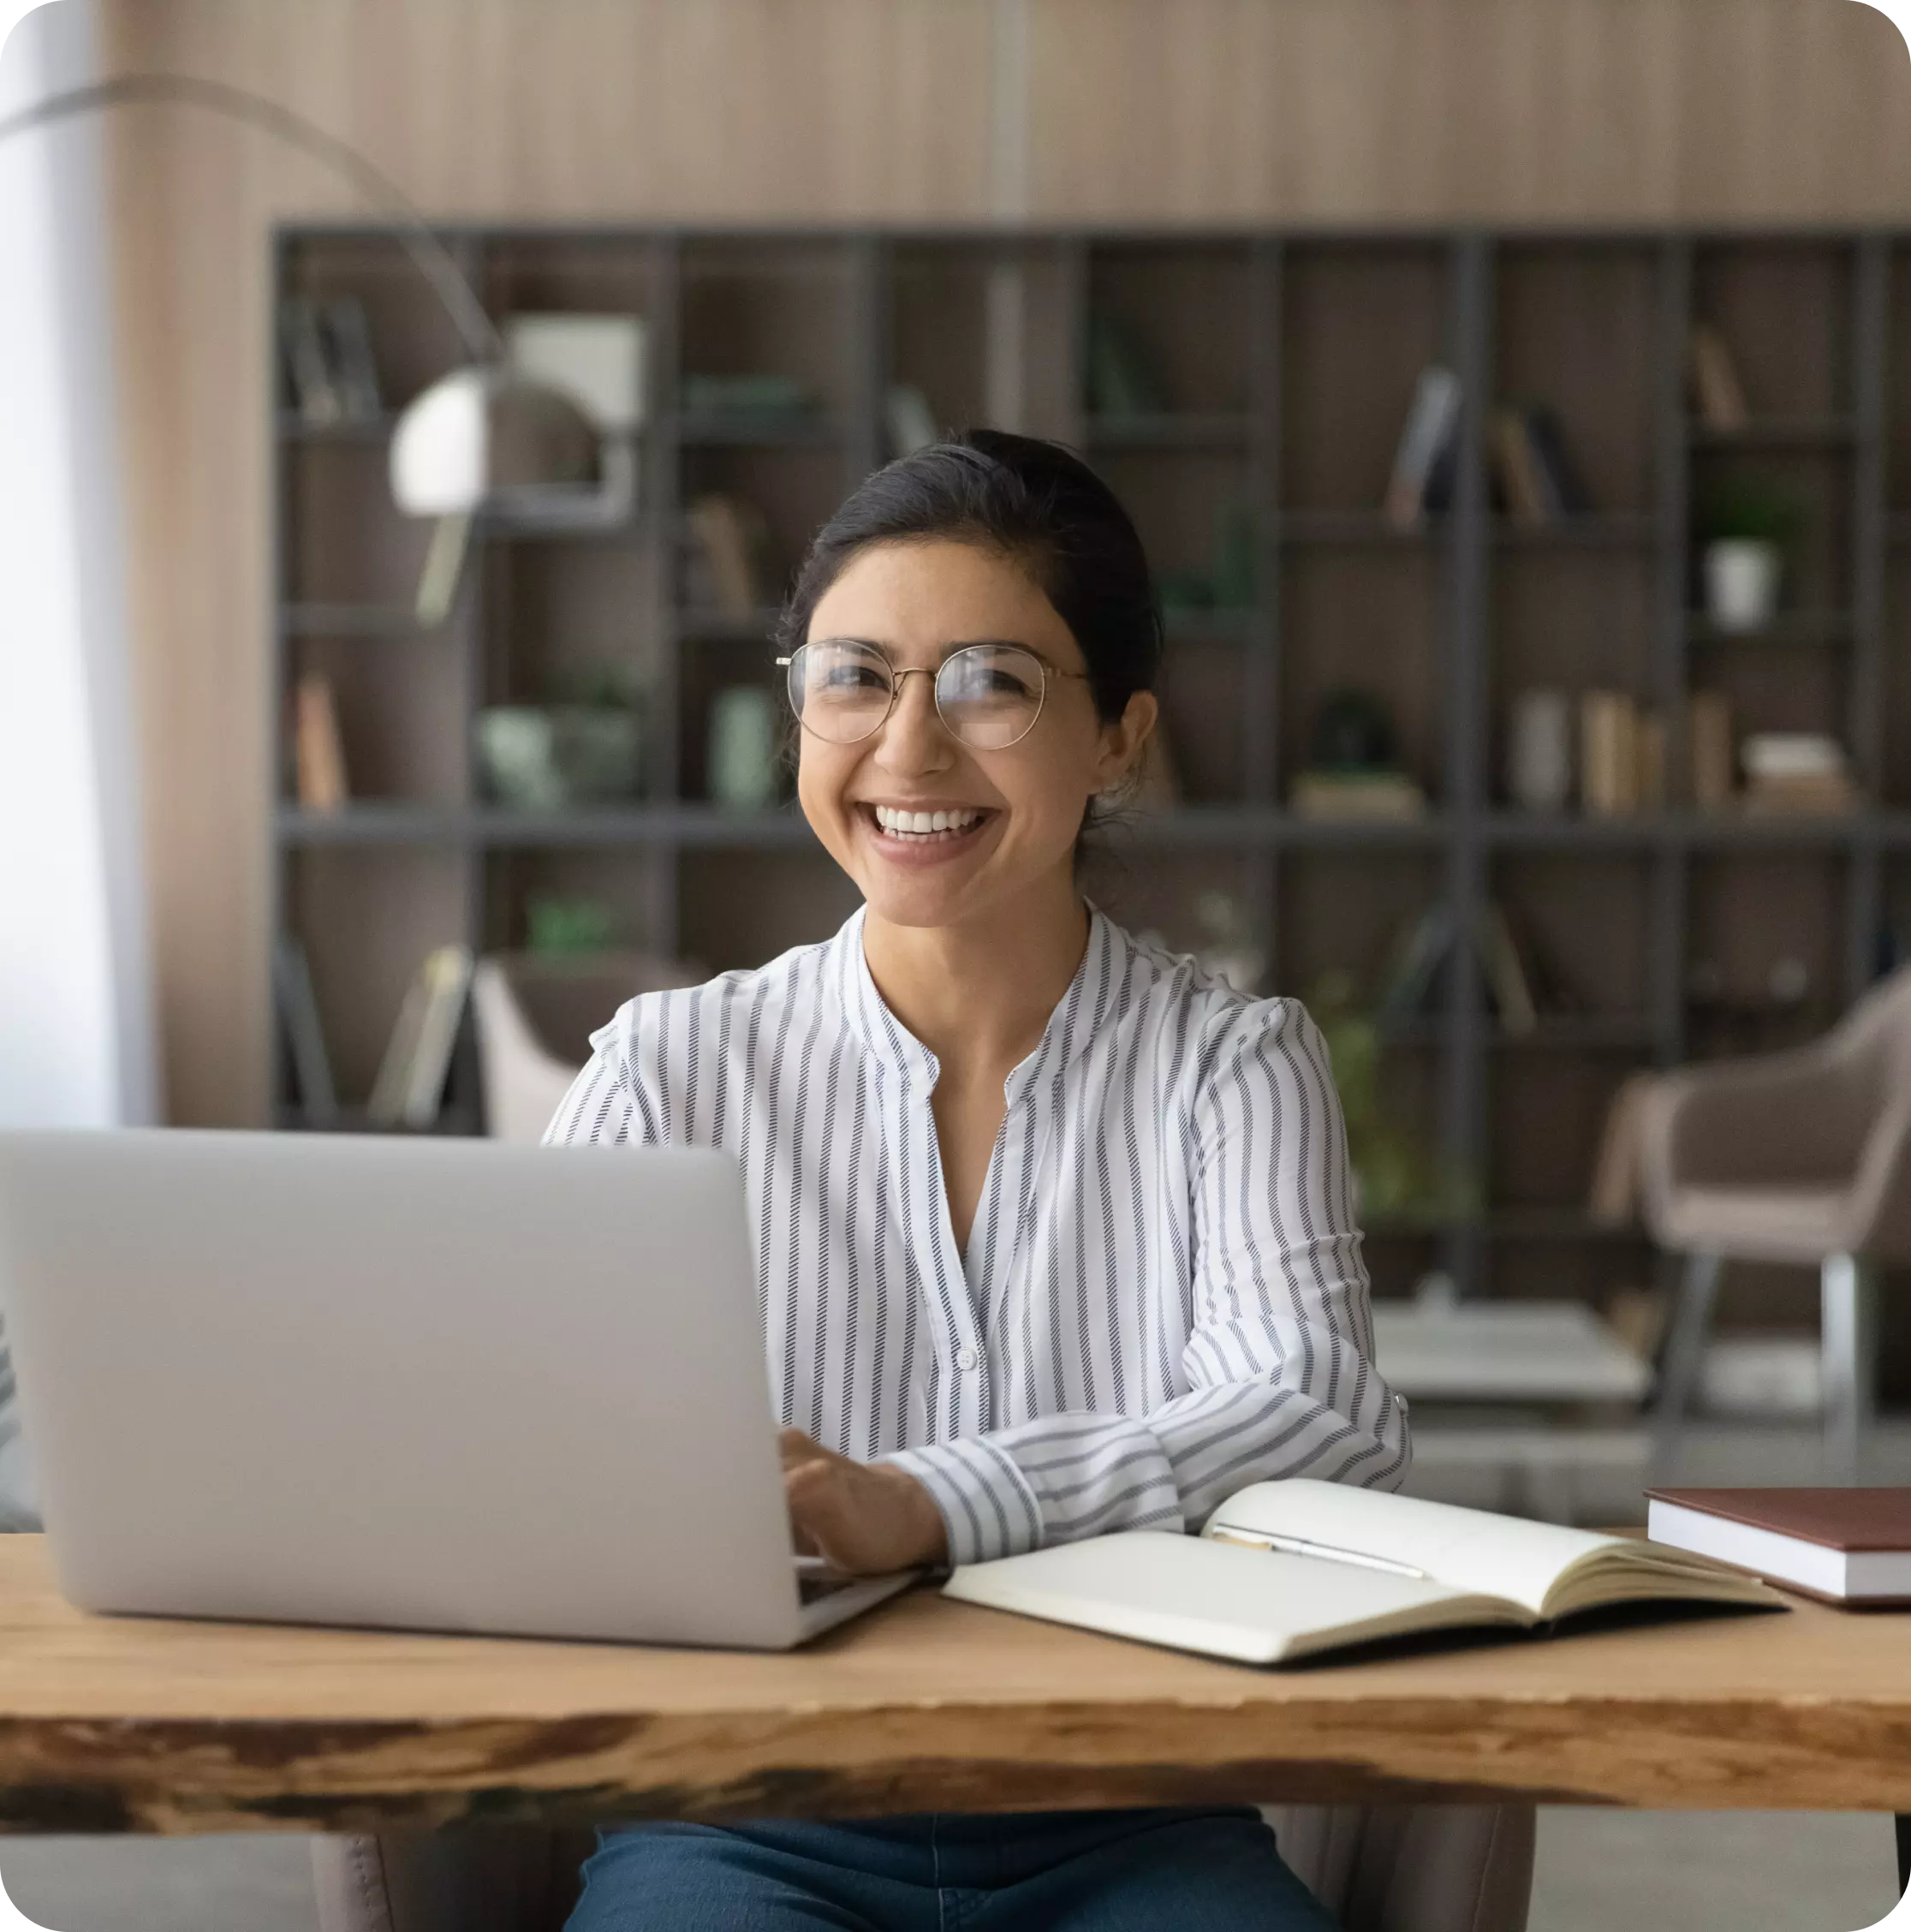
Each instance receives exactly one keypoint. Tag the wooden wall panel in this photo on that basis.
(1269, 111)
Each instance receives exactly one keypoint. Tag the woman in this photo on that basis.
(1054, 1235)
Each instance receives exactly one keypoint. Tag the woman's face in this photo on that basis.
(1017, 811)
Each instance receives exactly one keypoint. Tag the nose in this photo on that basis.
(912, 737)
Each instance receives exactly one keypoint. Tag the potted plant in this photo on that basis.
(1746, 525)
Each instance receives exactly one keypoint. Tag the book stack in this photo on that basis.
(1356, 794)
(1539, 482)
(1422, 481)
(1796, 771)
(1621, 756)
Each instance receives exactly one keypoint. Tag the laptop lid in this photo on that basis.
(446, 1385)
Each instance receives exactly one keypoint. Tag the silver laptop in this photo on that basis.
(434, 1385)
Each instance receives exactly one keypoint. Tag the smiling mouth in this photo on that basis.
(946, 827)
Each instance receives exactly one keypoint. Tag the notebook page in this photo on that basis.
(1257, 1606)
(1463, 1548)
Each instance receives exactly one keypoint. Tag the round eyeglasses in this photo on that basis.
(987, 695)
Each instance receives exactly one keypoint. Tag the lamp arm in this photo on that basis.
(432, 260)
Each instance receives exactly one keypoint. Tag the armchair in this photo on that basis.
(1803, 1157)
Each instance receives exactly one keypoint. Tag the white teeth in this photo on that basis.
(924, 824)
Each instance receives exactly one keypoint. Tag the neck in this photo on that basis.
(979, 995)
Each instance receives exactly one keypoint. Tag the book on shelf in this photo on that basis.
(1288, 1570)
(1718, 394)
(1844, 1546)
(298, 1007)
(1507, 983)
(1428, 443)
(328, 364)
(308, 364)
(1539, 481)
(1621, 756)
(727, 542)
(409, 1089)
(1328, 794)
(319, 748)
(1520, 982)
(1713, 762)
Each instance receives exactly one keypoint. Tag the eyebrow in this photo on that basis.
(948, 650)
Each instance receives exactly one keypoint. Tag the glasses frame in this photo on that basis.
(898, 673)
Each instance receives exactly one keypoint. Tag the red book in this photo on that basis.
(1844, 1546)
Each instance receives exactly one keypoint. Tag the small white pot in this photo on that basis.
(1742, 583)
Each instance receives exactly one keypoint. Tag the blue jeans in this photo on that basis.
(1210, 1870)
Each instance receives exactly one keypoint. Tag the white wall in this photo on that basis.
(75, 1027)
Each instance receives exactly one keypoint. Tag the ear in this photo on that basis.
(1122, 742)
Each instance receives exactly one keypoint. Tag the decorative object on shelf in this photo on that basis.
(1119, 377)
(1539, 751)
(1520, 981)
(743, 759)
(1796, 771)
(1718, 394)
(910, 422)
(409, 1089)
(598, 362)
(1422, 478)
(1230, 952)
(1539, 481)
(568, 927)
(319, 748)
(1353, 769)
(761, 397)
(544, 758)
(1711, 761)
(1746, 525)
(303, 1035)
(1399, 1179)
(724, 557)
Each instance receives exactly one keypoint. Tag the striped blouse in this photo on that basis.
(1162, 1296)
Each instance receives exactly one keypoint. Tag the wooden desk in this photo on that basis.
(129, 1724)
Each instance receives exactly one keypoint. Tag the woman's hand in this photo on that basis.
(862, 1518)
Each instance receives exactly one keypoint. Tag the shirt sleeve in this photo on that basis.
(1279, 1357)
(606, 1105)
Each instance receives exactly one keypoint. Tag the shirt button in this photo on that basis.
(965, 1358)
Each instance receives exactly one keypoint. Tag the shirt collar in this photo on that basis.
(1078, 1016)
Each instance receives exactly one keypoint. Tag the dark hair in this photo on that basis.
(1034, 502)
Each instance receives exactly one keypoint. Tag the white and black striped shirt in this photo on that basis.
(1163, 1298)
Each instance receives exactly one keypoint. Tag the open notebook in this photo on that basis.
(1285, 1570)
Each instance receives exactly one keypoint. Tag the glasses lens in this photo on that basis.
(989, 694)
(839, 690)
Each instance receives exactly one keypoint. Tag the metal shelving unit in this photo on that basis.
(1252, 655)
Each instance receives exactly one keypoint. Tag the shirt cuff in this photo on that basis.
(988, 1509)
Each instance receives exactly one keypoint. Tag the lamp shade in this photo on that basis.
(482, 436)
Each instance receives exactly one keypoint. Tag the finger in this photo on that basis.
(796, 1448)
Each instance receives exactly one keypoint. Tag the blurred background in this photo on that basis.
(1515, 396)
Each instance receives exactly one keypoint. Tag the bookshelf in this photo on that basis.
(1285, 363)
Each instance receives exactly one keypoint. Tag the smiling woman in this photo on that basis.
(1055, 1236)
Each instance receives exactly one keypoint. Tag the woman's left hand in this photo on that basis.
(862, 1518)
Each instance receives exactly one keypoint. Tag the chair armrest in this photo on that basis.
(1781, 1117)
(1881, 1197)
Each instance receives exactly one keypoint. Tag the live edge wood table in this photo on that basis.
(117, 1724)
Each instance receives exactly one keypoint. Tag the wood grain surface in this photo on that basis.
(116, 1724)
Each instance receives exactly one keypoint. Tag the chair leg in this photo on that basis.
(1684, 1349)
(1848, 1344)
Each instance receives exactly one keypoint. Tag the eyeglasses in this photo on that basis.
(987, 695)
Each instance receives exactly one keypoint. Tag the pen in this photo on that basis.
(1300, 1546)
